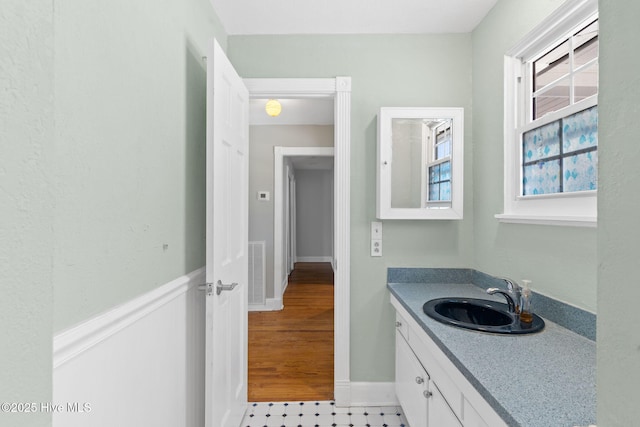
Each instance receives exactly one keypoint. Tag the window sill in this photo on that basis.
(567, 221)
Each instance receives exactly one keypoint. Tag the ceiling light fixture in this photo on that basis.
(273, 108)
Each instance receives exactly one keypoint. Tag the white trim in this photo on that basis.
(569, 14)
(314, 259)
(342, 393)
(74, 341)
(279, 153)
(373, 394)
(149, 350)
(271, 304)
(342, 231)
(285, 284)
(340, 89)
(569, 221)
(291, 88)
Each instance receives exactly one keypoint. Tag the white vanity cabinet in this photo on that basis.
(421, 400)
(412, 384)
(430, 389)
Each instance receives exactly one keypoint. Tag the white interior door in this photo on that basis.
(227, 244)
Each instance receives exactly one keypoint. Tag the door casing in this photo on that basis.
(339, 89)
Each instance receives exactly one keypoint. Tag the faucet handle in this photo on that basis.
(512, 285)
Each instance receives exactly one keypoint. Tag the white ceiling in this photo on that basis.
(243, 17)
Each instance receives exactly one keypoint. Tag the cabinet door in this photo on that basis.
(440, 414)
(411, 384)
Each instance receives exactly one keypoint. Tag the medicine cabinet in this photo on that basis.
(420, 163)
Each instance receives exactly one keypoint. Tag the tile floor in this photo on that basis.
(321, 414)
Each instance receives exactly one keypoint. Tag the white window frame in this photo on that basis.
(573, 209)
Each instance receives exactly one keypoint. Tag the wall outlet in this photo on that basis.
(263, 196)
(376, 247)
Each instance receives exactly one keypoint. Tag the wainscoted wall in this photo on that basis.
(139, 364)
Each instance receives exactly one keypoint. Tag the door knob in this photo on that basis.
(222, 287)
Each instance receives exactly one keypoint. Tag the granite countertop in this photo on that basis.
(546, 379)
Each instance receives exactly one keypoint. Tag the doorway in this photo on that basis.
(292, 164)
(291, 350)
(338, 89)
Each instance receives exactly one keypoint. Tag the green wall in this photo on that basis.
(102, 131)
(387, 70)
(130, 149)
(26, 202)
(84, 177)
(618, 207)
(560, 261)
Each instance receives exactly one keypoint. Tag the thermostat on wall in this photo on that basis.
(263, 196)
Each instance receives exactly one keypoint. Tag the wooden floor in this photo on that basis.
(291, 351)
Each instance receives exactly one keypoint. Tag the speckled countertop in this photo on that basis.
(547, 379)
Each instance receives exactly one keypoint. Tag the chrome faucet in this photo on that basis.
(512, 294)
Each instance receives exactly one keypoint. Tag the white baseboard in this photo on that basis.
(342, 393)
(271, 304)
(314, 259)
(373, 394)
(148, 351)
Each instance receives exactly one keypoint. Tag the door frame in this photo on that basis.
(280, 205)
(289, 219)
(338, 88)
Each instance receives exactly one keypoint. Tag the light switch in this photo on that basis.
(376, 230)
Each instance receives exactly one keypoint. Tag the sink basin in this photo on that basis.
(479, 315)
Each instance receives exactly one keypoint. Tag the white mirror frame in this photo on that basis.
(384, 163)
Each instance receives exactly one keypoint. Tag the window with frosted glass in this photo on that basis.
(561, 156)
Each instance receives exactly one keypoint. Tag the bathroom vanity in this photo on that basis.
(452, 377)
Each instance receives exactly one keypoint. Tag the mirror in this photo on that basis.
(420, 163)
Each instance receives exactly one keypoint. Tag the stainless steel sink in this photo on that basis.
(480, 315)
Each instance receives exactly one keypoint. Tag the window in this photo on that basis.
(551, 120)
(439, 176)
(567, 73)
(561, 156)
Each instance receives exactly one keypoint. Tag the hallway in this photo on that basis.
(291, 351)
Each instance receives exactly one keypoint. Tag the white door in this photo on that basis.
(227, 244)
